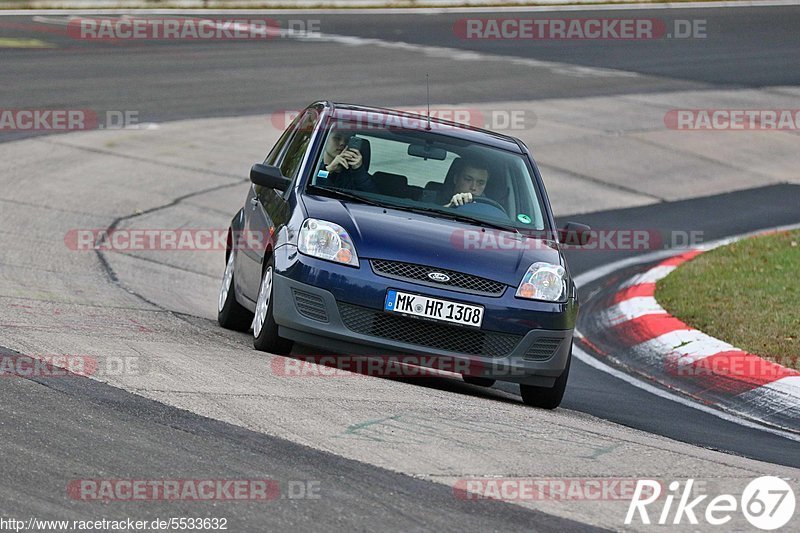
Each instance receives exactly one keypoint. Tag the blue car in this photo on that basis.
(375, 232)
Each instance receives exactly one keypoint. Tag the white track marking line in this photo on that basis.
(774, 398)
(687, 345)
(632, 308)
(596, 364)
(455, 54)
(596, 273)
(651, 276)
(788, 386)
(458, 54)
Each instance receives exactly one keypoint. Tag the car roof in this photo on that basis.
(454, 129)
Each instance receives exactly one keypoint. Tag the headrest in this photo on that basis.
(447, 190)
(455, 168)
(390, 184)
(497, 188)
(366, 153)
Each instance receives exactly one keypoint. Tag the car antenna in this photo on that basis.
(428, 90)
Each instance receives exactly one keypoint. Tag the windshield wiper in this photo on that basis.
(341, 193)
(458, 216)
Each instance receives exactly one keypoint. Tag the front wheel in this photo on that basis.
(265, 330)
(230, 313)
(546, 397)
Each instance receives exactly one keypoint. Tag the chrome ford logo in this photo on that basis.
(438, 276)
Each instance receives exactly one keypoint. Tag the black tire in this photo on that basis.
(265, 337)
(481, 382)
(230, 313)
(546, 397)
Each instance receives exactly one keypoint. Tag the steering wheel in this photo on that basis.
(487, 201)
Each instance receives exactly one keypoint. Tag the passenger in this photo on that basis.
(345, 165)
(469, 182)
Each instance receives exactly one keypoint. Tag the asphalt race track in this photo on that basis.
(385, 453)
(240, 78)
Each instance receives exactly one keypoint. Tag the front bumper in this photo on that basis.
(312, 307)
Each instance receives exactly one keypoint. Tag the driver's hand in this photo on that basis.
(460, 199)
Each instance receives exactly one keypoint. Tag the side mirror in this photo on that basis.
(574, 234)
(269, 176)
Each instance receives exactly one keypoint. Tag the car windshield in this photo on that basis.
(430, 171)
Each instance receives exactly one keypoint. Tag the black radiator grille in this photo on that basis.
(310, 305)
(429, 334)
(419, 274)
(543, 348)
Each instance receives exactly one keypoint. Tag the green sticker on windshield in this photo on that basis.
(525, 219)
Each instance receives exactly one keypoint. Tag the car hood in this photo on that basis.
(386, 233)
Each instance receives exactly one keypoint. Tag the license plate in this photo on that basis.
(433, 308)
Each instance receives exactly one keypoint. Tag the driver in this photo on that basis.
(470, 182)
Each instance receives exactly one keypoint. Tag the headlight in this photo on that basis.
(544, 281)
(328, 241)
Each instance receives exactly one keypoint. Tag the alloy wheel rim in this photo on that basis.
(263, 302)
(225, 286)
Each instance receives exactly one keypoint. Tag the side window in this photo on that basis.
(284, 138)
(289, 150)
(294, 153)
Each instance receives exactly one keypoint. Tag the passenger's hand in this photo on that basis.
(339, 162)
(353, 157)
(460, 199)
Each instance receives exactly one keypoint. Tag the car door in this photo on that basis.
(266, 209)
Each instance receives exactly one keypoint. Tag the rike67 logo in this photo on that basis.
(767, 503)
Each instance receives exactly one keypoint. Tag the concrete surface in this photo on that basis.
(604, 153)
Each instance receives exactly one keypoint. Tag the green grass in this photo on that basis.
(746, 294)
